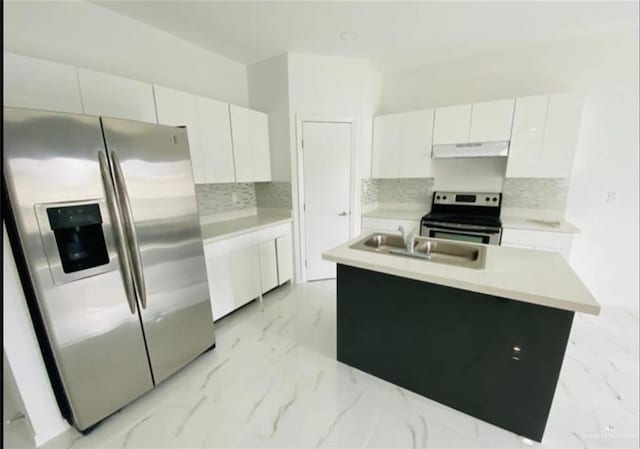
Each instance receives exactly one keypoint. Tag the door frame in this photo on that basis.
(297, 178)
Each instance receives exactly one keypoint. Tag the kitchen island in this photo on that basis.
(489, 342)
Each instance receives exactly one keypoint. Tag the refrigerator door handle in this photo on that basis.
(114, 210)
(123, 196)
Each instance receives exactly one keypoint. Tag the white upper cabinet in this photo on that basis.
(250, 134)
(402, 145)
(261, 149)
(386, 146)
(416, 137)
(545, 132)
(114, 96)
(451, 124)
(215, 132)
(178, 108)
(38, 84)
(491, 121)
(561, 134)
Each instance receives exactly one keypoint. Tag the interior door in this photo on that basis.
(327, 173)
(171, 278)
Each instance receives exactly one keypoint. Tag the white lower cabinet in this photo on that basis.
(268, 266)
(233, 271)
(242, 268)
(285, 260)
(541, 240)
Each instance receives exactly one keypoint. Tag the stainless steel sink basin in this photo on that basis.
(434, 250)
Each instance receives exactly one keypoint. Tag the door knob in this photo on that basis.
(343, 214)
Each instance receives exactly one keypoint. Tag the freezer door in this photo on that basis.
(66, 230)
(152, 174)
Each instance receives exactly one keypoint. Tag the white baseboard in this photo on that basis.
(51, 433)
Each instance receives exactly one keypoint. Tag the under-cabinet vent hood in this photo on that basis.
(472, 149)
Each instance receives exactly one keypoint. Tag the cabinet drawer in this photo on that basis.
(272, 232)
(231, 244)
(538, 239)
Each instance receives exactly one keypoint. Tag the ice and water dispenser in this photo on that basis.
(79, 237)
(76, 242)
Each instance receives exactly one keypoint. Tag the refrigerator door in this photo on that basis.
(73, 253)
(152, 174)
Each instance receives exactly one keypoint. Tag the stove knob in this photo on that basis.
(495, 199)
(487, 199)
(438, 197)
(444, 197)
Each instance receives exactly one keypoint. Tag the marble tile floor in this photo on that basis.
(273, 382)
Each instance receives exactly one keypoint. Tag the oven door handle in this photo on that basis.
(461, 227)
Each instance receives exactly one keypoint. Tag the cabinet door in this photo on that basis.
(259, 136)
(245, 274)
(178, 108)
(561, 135)
(220, 285)
(114, 96)
(268, 266)
(386, 146)
(451, 124)
(38, 84)
(416, 137)
(241, 137)
(491, 121)
(285, 263)
(527, 139)
(215, 135)
(560, 242)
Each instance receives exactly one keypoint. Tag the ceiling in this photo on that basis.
(392, 35)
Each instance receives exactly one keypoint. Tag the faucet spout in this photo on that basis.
(408, 238)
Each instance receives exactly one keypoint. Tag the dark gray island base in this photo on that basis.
(493, 358)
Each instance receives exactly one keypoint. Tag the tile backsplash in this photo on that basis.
(535, 193)
(217, 198)
(409, 190)
(273, 195)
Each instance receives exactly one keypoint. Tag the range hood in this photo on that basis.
(471, 149)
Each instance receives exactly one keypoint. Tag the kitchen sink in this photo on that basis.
(434, 250)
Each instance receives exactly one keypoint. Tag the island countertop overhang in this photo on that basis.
(536, 277)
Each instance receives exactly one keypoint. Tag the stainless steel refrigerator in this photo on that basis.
(104, 223)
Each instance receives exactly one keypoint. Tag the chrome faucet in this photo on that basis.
(408, 238)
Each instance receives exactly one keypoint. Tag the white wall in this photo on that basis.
(87, 35)
(269, 92)
(23, 355)
(605, 69)
(337, 87)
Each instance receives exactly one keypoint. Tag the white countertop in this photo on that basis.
(396, 213)
(512, 218)
(219, 230)
(536, 277)
(536, 220)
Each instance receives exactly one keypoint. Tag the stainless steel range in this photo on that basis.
(465, 216)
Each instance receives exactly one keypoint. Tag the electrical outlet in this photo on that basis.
(234, 198)
(611, 197)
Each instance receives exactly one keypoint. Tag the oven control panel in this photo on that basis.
(466, 198)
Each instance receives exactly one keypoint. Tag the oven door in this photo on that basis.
(487, 236)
